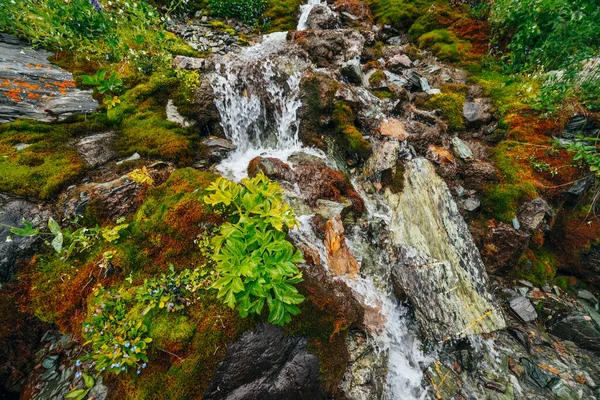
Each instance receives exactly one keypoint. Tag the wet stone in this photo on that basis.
(523, 308)
(33, 88)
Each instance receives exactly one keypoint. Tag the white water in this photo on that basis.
(257, 95)
(305, 12)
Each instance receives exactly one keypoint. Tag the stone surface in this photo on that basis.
(579, 329)
(461, 149)
(216, 149)
(502, 246)
(478, 111)
(31, 87)
(352, 71)
(322, 17)
(174, 116)
(535, 215)
(580, 125)
(393, 128)
(190, 63)
(331, 48)
(523, 308)
(399, 63)
(384, 157)
(97, 149)
(16, 250)
(339, 258)
(364, 378)
(266, 364)
(439, 267)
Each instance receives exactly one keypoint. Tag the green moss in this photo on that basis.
(537, 266)
(49, 163)
(172, 331)
(351, 138)
(436, 18)
(281, 15)
(451, 105)
(444, 44)
(152, 136)
(400, 14)
(377, 78)
(502, 201)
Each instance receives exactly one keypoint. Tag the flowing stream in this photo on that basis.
(257, 95)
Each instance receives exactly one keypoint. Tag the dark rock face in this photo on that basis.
(33, 88)
(265, 364)
(215, 149)
(579, 329)
(17, 249)
(502, 246)
(352, 71)
(580, 125)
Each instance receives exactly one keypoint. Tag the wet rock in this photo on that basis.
(470, 204)
(502, 246)
(216, 149)
(444, 382)
(399, 63)
(112, 197)
(562, 391)
(478, 111)
(365, 377)
(16, 250)
(533, 215)
(414, 82)
(439, 266)
(190, 63)
(329, 209)
(272, 167)
(588, 296)
(97, 149)
(340, 260)
(523, 308)
(206, 113)
(534, 374)
(461, 149)
(321, 17)
(266, 364)
(579, 188)
(384, 157)
(579, 329)
(35, 89)
(174, 116)
(580, 125)
(331, 48)
(352, 71)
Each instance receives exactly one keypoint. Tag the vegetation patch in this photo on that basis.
(451, 105)
(349, 136)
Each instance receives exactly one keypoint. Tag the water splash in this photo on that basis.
(305, 12)
(257, 94)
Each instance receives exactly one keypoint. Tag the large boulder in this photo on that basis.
(331, 48)
(321, 17)
(34, 88)
(266, 364)
(15, 250)
(439, 267)
(97, 149)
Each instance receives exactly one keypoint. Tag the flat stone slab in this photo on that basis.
(31, 87)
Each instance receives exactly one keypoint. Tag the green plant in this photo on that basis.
(80, 394)
(116, 334)
(248, 11)
(104, 84)
(586, 153)
(255, 264)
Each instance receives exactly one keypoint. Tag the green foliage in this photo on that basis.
(248, 11)
(586, 153)
(281, 15)
(401, 14)
(255, 263)
(444, 44)
(546, 34)
(80, 394)
(451, 105)
(102, 83)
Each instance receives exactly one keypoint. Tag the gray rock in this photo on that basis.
(439, 266)
(579, 329)
(266, 364)
(365, 377)
(331, 48)
(399, 63)
(190, 63)
(321, 17)
(38, 89)
(470, 204)
(534, 215)
(523, 308)
(414, 81)
(477, 111)
(352, 71)
(461, 149)
(174, 116)
(580, 125)
(21, 146)
(16, 250)
(579, 188)
(588, 296)
(99, 391)
(384, 157)
(216, 149)
(97, 149)
(561, 391)
(329, 209)
(134, 157)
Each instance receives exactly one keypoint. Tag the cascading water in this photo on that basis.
(257, 95)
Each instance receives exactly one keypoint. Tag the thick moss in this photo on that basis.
(451, 105)
(350, 137)
(281, 15)
(444, 44)
(400, 14)
(49, 163)
(537, 266)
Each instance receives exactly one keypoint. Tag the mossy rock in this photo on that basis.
(281, 16)
(400, 14)
(537, 266)
(350, 138)
(451, 105)
(48, 164)
(444, 44)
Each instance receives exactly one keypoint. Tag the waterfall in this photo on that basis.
(257, 95)
(305, 12)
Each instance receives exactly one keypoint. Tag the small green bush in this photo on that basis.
(255, 264)
(248, 11)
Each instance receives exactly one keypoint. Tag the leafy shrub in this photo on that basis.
(547, 34)
(254, 262)
(104, 84)
(248, 11)
(586, 153)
